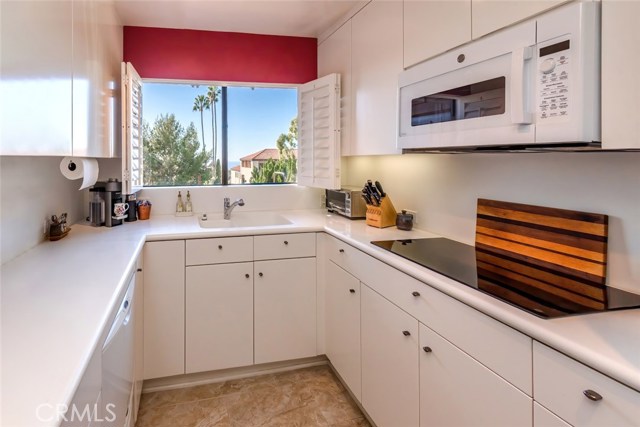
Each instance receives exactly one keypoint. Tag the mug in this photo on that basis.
(120, 209)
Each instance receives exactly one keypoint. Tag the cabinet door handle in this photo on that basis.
(139, 270)
(406, 333)
(246, 275)
(427, 349)
(415, 293)
(353, 291)
(592, 395)
(286, 243)
(219, 246)
(341, 251)
(260, 274)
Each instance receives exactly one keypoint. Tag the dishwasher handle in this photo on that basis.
(123, 317)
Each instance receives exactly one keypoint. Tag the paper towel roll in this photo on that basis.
(76, 168)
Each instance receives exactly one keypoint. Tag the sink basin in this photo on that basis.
(242, 219)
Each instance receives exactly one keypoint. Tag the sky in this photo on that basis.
(256, 117)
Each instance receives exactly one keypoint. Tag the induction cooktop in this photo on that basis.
(543, 293)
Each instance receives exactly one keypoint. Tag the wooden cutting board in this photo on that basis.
(533, 250)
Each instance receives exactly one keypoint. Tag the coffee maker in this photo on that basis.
(112, 190)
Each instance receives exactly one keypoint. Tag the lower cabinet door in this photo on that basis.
(458, 391)
(542, 417)
(285, 309)
(390, 376)
(342, 330)
(219, 316)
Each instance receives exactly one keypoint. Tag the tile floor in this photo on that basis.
(304, 397)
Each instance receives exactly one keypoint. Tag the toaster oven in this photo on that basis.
(347, 202)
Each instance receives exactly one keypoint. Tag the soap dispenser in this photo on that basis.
(188, 206)
(180, 204)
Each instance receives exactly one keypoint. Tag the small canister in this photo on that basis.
(132, 213)
(404, 221)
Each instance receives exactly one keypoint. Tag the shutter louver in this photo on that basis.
(132, 152)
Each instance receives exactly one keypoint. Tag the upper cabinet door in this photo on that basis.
(132, 167)
(376, 54)
(620, 84)
(491, 15)
(36, 69)
(319, 133)
(433, 27)
(334, 56)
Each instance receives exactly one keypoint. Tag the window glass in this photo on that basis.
(182, 134)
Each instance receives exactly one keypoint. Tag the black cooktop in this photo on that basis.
(459, 262)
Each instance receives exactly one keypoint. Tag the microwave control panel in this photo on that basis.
(553, 81)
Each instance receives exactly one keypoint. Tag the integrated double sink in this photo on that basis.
(242, 219)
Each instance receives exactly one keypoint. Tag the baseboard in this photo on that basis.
(190, 380)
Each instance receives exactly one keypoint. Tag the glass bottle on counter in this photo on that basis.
(180, 204)
(188, 206)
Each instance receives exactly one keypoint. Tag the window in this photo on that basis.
(184, 142)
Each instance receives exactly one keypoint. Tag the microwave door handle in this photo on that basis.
(519, 103)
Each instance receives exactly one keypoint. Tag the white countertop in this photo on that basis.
(57, 298)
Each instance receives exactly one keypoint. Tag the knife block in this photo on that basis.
(381, 216)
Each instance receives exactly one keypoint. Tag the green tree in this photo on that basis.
(172, 154)
(285, 168)
(213, 94)
(201, 103)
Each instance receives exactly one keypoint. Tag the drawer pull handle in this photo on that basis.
(406, 333)
(260, 274)
(353, 291)
(139, 270)
(219, 246)
(341, 251)
(427, 349)
(246, 275)
(592, 395)
(286, 243)
(415, 293)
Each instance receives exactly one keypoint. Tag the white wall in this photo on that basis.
(444, 188)
(31, 190)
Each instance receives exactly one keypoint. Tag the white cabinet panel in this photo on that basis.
(281, 246)
(164, 309)
(432, 27)
(334, 56)
(138, 351)
(491, 15)
(219, 317)
(456, 390)
(562, 384)
(544, 418)
(284, 309)
(342, 317)
(36, 62)
(390, 374)
(620, 83)
(376, 61)
(219, 250)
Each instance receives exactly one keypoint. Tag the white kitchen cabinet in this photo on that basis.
(138, 351)
(376, 61)
(542, 417)
(36, 62)
(580, 395)
(164, 308)
(390, 374)
(284, 309)
(334, 56)
(342, 325)
(620, 83)
(491, 15)
(219, 316)
(433, 27)
(456, 390)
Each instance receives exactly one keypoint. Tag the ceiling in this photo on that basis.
(306, 18)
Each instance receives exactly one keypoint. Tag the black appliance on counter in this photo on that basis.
(112, 190)
(458, 261)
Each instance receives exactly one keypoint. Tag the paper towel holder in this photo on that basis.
(71, 166)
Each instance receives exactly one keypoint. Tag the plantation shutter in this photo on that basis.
(319, 133)
(132, 179)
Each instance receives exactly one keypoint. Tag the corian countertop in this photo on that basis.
(57, 298)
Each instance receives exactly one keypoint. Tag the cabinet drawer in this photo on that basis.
(280, 246)
(560, 384)
(217, 251)
(499, 347)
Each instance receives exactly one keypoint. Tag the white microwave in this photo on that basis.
(535, 84)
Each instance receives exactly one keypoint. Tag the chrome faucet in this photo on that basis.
(228, 206)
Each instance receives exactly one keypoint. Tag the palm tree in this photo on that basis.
(213, 93)
(201, 103)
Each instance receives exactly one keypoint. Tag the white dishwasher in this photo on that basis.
(117, 363)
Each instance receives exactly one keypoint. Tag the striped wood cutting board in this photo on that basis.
(525, 251)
